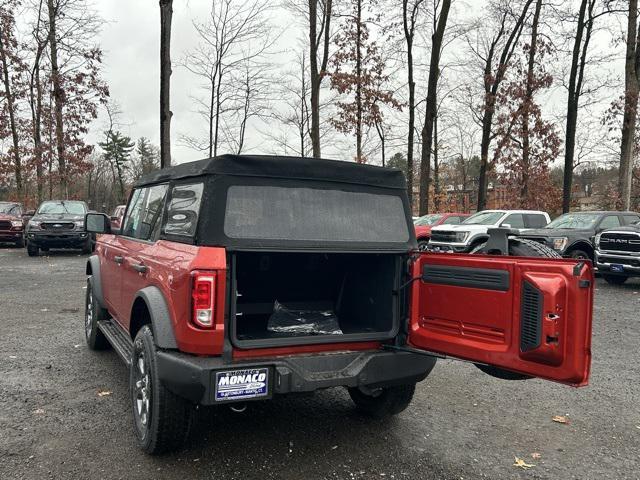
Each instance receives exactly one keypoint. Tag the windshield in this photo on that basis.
(73, 208)
(575, 220)
(428, 220)
(483, 218)
(6, 207)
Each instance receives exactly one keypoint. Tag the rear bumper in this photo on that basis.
(60, 240)
(193, 377)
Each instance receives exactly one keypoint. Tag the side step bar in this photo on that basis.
(118, 338)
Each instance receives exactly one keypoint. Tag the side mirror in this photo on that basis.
(114, 218)
(29, 213)
(97, 223)
(506, 225)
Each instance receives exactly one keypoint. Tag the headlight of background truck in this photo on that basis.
(16, 223)
(79, 224)
(33, 224)
(559, 243)
(461, 236)
(597, 240)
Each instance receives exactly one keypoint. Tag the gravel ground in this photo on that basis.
(462, 424)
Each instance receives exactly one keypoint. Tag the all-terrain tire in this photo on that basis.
(87, 248)
(422, 244)
(93, 313)
(523, 247)
(20, 243)
(383, 402)
(32, 250)
(166, 423)
(615, 279)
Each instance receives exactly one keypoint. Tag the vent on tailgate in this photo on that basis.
(530, 317)
(471, 277)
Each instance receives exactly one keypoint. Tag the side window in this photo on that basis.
(629, 219)
(183, 210)
(132, 220)
(452, 221)
(535, 220)
(515, 220)
(610, 221)
(145, 210)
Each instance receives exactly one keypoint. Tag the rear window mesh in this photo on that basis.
(309, 214)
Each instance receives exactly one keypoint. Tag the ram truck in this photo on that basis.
(240, 278)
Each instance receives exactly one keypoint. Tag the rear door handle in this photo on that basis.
(140, 267)
(118, 259)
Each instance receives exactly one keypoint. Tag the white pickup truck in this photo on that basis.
(472, 232)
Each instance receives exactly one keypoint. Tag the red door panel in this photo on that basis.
(528, 315)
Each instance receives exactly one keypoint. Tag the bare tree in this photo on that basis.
(166, 13)
(495, 53)
(410, 13)
(233, 42)
(319, 39)
(439, 26)
(632, 89)
(584, 29)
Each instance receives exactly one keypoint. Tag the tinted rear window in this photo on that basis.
(308, 214)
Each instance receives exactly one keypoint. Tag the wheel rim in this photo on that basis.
(88, 318)
(142, 392)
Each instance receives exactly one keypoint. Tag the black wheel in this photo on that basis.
(580, 255)
(422, 244)
(162, 420)
(615, 279)
(383, 402)
(32, 250)
(44, 249)
(93, 313)
(20, 243)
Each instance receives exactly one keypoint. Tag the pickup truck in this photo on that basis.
(618, 253)
(472, 233)
(239, 278)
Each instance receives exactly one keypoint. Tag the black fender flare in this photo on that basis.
(581, 244)
(93, 269)
(161, 323)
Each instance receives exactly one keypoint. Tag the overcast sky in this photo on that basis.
(130, 41)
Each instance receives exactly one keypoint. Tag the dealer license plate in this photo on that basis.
(242, 384)
(616, 267)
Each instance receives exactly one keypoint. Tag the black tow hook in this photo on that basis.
(238, 408)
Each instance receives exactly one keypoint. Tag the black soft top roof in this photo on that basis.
(273, 166)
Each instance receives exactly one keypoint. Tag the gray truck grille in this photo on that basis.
(444, 236)
(5, 225)
(57, 226)
(620, 242)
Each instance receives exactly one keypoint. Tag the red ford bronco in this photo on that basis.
(239, 278)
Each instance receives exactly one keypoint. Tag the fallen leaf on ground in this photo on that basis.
(535, 455)
(560, 419)
(104, 393)
(522, 464)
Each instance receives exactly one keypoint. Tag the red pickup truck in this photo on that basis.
(238, 278)
(424, 224)
(12, 223)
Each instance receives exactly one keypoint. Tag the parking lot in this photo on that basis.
(64, 410)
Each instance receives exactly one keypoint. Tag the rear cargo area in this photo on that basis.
(293, 298)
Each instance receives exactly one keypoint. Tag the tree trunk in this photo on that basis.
(631, 73)
(527, 102)
(211, 116)
(409, 31)
(431, 108)
(166, 12)
(578, 60)
(436, 166)
(17, 165)
(359, 158)
(58, 100)
(317, 73)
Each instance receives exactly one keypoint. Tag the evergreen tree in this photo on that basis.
(117, 151)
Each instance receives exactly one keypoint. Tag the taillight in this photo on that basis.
(203, 294)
